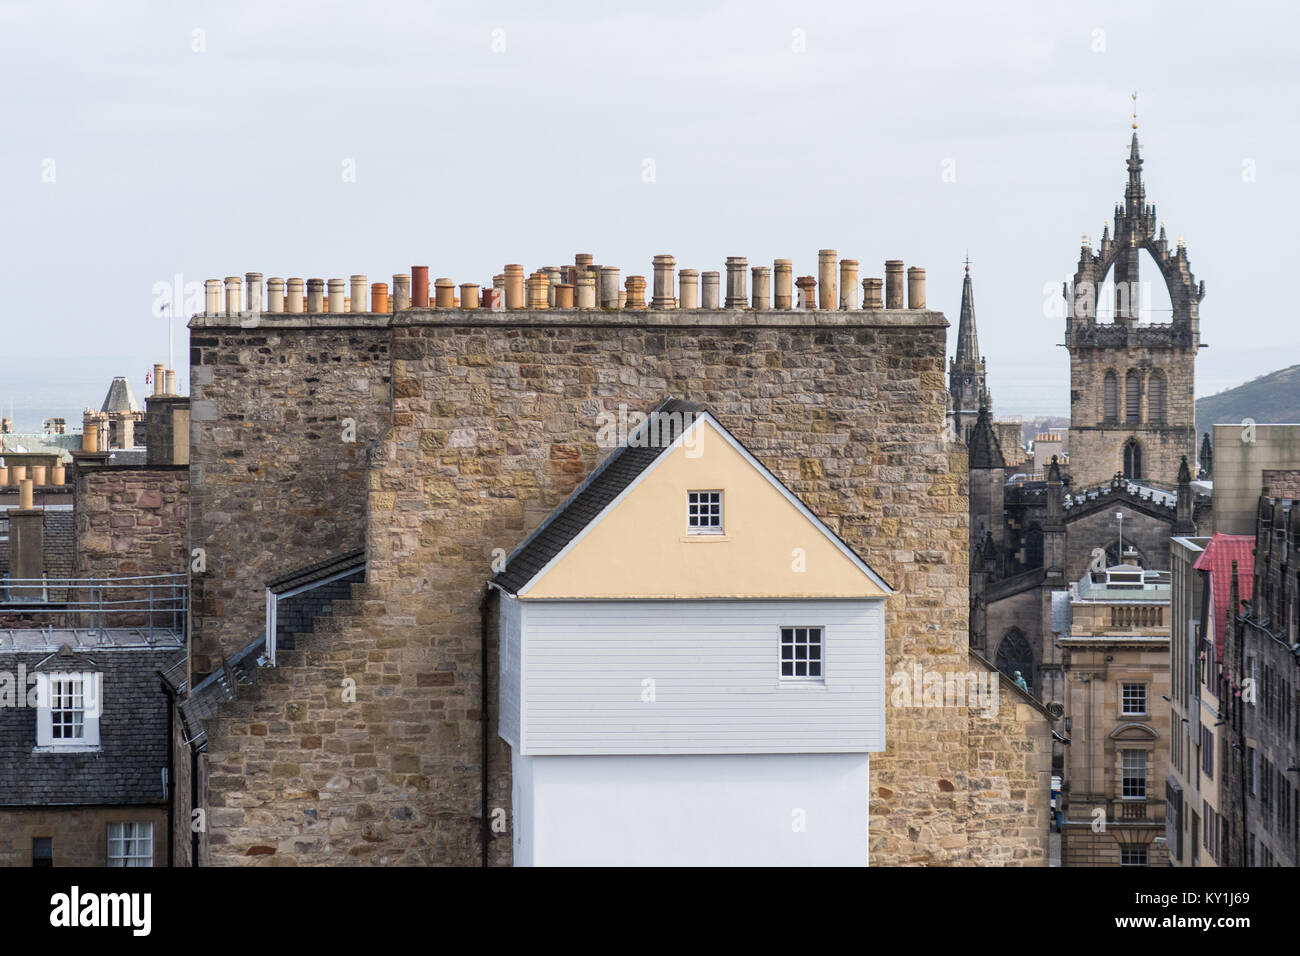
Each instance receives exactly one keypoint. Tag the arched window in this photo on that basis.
(1133, 396)
(1015, 654)
(1132, 460)
(1156, 398)
(1110, 399)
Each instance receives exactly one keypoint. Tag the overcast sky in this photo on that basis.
(210, 139)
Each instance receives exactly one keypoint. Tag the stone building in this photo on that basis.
(1260, 686)
(967, 382)
(1132, 408)
(1116, 654)
(434, 437)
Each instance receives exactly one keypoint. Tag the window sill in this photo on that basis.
(700, 538)
(62, 749)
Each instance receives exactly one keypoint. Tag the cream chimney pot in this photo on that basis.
(358, 293)
(275, 295)
(710, 290)
(212, 296)
(737, 295)
(157, 378)
(849, 284)
(294, 297)
(254, 282)
(170, 378)
(688, 281)
(827, 294)
(232, 295)
(336, 295)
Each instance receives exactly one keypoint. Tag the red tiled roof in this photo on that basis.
(1217, 558)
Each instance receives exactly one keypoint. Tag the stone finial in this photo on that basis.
(916, 288)
(783, 293)
(275, 294)
(709, 290)
(828, 294)
(688, 284)
(762, 292)
(663, 277)
(419, 287)
(358, 296)
(894, 284)
(849, 284)
(737, 295)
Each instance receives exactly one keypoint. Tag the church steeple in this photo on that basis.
(967, 387)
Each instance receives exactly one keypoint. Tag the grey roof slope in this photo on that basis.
(604, 484)
(337, 564)
(120, 397)
(132, 729)
(985, 451)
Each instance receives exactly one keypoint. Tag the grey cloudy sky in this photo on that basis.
(775, 129)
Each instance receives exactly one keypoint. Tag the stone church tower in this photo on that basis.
(967, 389)
(1131, 384)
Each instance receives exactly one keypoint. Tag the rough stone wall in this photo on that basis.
(79, 834)
(276, 485)
(1097, 448)
(493, 425)
(130, 522)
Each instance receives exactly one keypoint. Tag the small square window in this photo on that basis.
(801, 653)
(130, 844)
(42, 851)
(1133, 700)
(1133, 855)
(704, 512)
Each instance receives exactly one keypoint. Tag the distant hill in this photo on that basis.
(1270, 400)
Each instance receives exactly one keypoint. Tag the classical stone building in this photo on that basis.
(433, 438)
(1116, 653)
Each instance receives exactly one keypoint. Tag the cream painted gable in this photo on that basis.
(639, 546)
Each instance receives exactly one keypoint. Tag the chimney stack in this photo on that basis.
(26, 546)
(849, 284)
(419, 287)
(828, 294)
(784, 274)
(916, 288)
(737, 294)
(894, 284)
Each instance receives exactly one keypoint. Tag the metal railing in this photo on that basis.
(153, 601)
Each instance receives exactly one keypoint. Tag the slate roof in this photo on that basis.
(604, 484)
(350, 561)
(119, 397)
(1217, 558)
(1062, 612)
(985, 451)
(127, 770)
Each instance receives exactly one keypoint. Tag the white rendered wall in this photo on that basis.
(691, 810)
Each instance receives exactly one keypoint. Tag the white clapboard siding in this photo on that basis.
(509, 669)
(587, 667)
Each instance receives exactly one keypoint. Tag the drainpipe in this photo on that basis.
(171, 770)
(484, 605)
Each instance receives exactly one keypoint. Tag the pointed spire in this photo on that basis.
(968, 345)
(985, 451)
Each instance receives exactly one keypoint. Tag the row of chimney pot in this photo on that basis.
(586, 285)
(40, 476)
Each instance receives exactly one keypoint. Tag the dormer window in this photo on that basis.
(704, 512)
(67, 711)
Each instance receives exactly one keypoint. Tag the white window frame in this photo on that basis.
(133, 842)
(794, 660)
(1124, 774)
(1146, 854)
(1123, 699)
(720, 528)
(91, 686)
